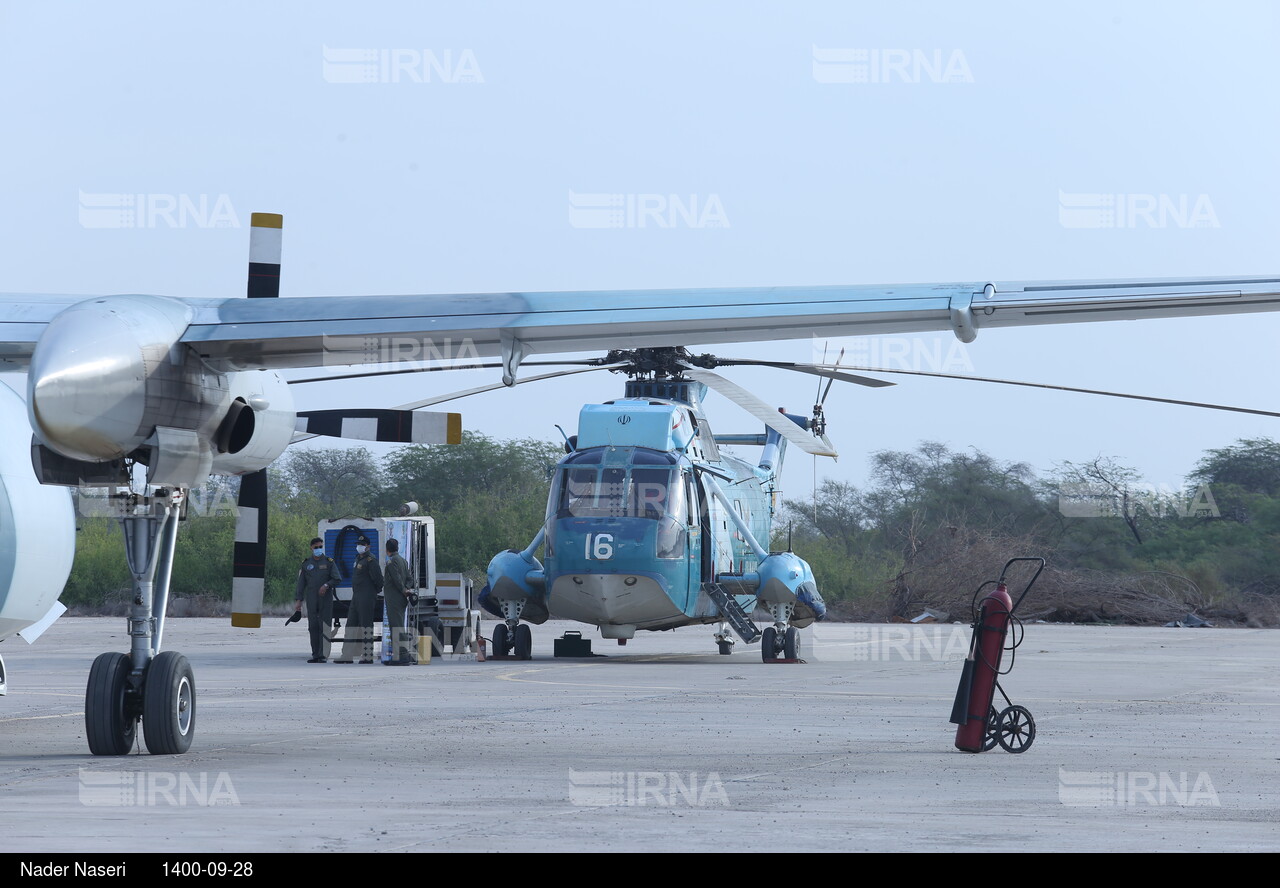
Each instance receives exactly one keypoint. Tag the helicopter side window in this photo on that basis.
(579, 493)
(649, 492)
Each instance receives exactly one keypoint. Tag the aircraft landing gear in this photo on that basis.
(147, 685)
(511, 637)
(724, 641)
(780, 642)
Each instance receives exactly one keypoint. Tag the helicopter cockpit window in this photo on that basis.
(650, 488)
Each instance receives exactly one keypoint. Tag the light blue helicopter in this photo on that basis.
(649, 525)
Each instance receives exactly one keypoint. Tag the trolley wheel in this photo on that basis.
(501, 640)
(524, 642)
(769, 644)
(991, 738)
(791, 643)
(1017, 730)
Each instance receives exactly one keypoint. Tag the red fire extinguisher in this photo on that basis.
(978, 678)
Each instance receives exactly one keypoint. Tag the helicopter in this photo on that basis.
(650, 525)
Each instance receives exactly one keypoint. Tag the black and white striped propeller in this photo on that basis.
(400, 426)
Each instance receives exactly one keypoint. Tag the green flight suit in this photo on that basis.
(314, 573)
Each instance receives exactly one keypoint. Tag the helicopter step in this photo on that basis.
(733, 612)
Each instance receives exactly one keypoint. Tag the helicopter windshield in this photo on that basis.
(648, 487)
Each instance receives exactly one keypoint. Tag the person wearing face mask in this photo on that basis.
(366, 583)
(396, 594)
(317, 579)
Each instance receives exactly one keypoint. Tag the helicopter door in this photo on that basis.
(693, 522)
(700, 512)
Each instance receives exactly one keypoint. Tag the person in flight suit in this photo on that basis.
(395, 592)
(366, 583)
(317, 579)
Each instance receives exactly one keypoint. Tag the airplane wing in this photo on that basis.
(312, 331)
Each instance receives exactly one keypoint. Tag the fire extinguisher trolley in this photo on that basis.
(981, 726)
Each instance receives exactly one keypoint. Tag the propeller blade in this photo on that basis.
(388, 426)
(827, 370)
(265, 234)
(761, 411)
(250, 558)
(1083, 391)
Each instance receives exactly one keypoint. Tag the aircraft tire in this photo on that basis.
(769, 644)
(501, 640)
(725, 647)
(524, 642)
(791, 644)
(169, 705)
(109, 725)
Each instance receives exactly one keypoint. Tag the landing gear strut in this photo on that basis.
(147, 685)
(724, 640)
(511, 637)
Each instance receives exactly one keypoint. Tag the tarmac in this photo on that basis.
(1147, 740)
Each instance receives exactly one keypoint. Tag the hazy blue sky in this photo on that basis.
(807, 143)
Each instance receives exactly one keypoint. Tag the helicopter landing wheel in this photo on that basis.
(1017, 729)
(501, 640)
(791, 643)
(769, 644)
(524, 642)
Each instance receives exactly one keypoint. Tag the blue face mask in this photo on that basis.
(317, 552)
(361, 549)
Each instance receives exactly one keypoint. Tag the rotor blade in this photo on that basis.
(453, 396)
(440, 399)
(436, 369)
(827, 370)
(387, 426)
(817, 398)
(250, 551)
(1067, 388)
(761, 411)
(839, 358)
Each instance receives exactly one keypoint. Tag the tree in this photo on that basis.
(1251, 464)
(440, 478)
(341, 481)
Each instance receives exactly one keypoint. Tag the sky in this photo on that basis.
(469, 147)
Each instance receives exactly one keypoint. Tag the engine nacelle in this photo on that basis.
(110, 379)
(37, 529)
